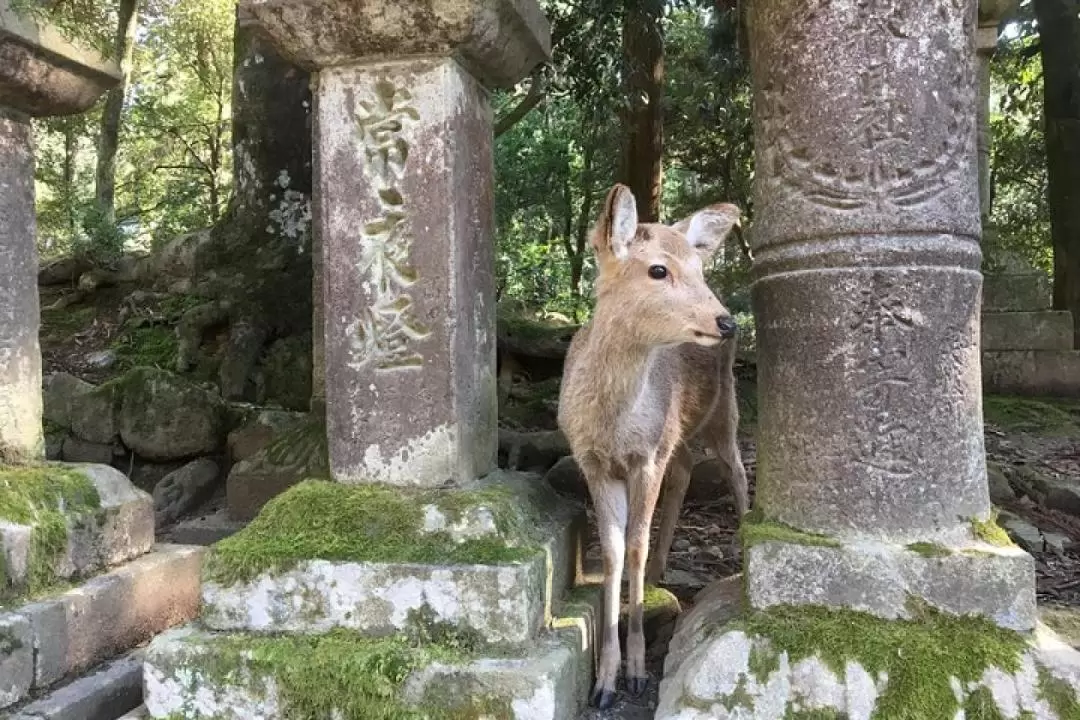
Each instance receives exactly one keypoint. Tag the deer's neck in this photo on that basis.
(624, 361)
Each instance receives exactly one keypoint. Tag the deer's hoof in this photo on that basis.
(637, 685)
(602, 699)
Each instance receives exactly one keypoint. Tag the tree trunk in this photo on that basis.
(643, 70)
(71, 150)
(1059, 33)
(109, 139)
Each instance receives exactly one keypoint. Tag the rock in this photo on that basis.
(62, 271)
(1063, 497)
(94, 413)
(1000, 490)
(54, 444)
(101, 360)
(284, 375)
(146, 475)
(531, 451)
(709, 480)
(181, 490)
(173, 266)
(259, 431)
(661, 612)
(1022, 532)
(164, 417)
(80, 451)
(16, 659)
(108, 692)
(59, 392)
(205, 530)
(298, 454)
(566, 477)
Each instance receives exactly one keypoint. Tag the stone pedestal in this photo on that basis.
(872, 527)
(40, 74)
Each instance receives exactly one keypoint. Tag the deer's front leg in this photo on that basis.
(644, 488)
(610, 503)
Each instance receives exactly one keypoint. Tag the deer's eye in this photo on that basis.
(657, 272)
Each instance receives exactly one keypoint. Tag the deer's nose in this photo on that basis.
(726, 325)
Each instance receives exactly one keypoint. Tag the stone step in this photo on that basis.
(1032, 372)
(139, 713)
(106, 693)
(1026, 292)
(64, 635)
(522, 556)
(199, 675)
(1045, 330)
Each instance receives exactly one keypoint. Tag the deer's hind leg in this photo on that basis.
(676, 482)
(722, 435)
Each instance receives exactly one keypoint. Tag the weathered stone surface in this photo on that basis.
(121, 529)
(1016, 292)
(566, 477)
(296, 454)
(1032, 372)
(20, 356)
(102, 695)
(499, 41)
(164, 417)
(87, 410)
(257, 433)
(995, 582)
(80, 451)
(16, 659)
(539, 682)
(78, 629)
(59, 391)
(1000, 489)
(42, 73)
(409, 324)
(139, 713)
(536, 451)
(1064, 497)
(1046, 330)
(146, 475)
(204, 530)
(181, 490)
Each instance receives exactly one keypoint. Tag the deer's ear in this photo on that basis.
(617, 225)
(707, 229)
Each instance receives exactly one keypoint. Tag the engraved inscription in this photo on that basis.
(897, 121)
(884, 375)
(387, 327)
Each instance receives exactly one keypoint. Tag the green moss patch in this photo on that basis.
(990, 532)
(45, 497)
(918, 656)
(340, 674)
(929, 550)
(1059, 695)
(755, 530)
(1040, 416)
(322, 520)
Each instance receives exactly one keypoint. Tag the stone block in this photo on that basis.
(994, 582)
(1026, 292)
(111, 613)
(81, 451)
(1045, 330)
(16, 659)
(499, 41)
(298, 453)
(98, 535)
(1032, 372)
(105, 694)
(537, 682)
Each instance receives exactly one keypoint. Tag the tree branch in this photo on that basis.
(536, 93)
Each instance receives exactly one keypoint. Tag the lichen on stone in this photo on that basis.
(990, 532)
(322, 520)
(45, 497)
(918, 656)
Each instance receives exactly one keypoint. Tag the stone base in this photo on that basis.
(1032, 372)
(199, 676)
(104, 694)
(1045, 330)
(995, 582)
(69, 633)
(1016, 292)
(69, 521)
(807, 663)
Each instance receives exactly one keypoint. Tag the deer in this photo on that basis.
(649, 373)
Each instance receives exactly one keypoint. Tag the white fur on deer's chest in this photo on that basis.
(640, 427)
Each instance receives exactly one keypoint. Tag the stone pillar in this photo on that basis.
(867, 294)
(40, 74)
(404, 223)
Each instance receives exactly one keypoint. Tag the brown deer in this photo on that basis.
(650, 371)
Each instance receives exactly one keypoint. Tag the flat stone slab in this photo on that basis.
(1020, 292)
(1044, 330)
(69, 633)
(85, 518)
(728, 665)
(42, 73)
(488, 560)
(1032, 372)
(202, 676)
(105, 694)
(994, 582)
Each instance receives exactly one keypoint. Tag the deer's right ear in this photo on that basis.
(618, 223)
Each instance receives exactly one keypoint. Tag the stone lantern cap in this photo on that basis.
(41, 73)
(498, 41)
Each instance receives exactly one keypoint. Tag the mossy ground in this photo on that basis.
(45, 497)
(918, 656)
(341, 675)
(368, 523)
(1040, 416)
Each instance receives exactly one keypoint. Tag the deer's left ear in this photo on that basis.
(706, 229)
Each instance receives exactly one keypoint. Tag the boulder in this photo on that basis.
(181, 490)
(164, 417)
(298, 454)
(1000, 490)
(259, 431)
(75, 450)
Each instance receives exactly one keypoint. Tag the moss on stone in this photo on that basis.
(658, 599)
(45, 497)
(1041, 416)
(755, 529)
(739, 698)
(980, 705)
(815, 714)
(990, 532)
(1059, 695)
(764, 661)
(366, 523)
(918, 656)
(929, 550)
